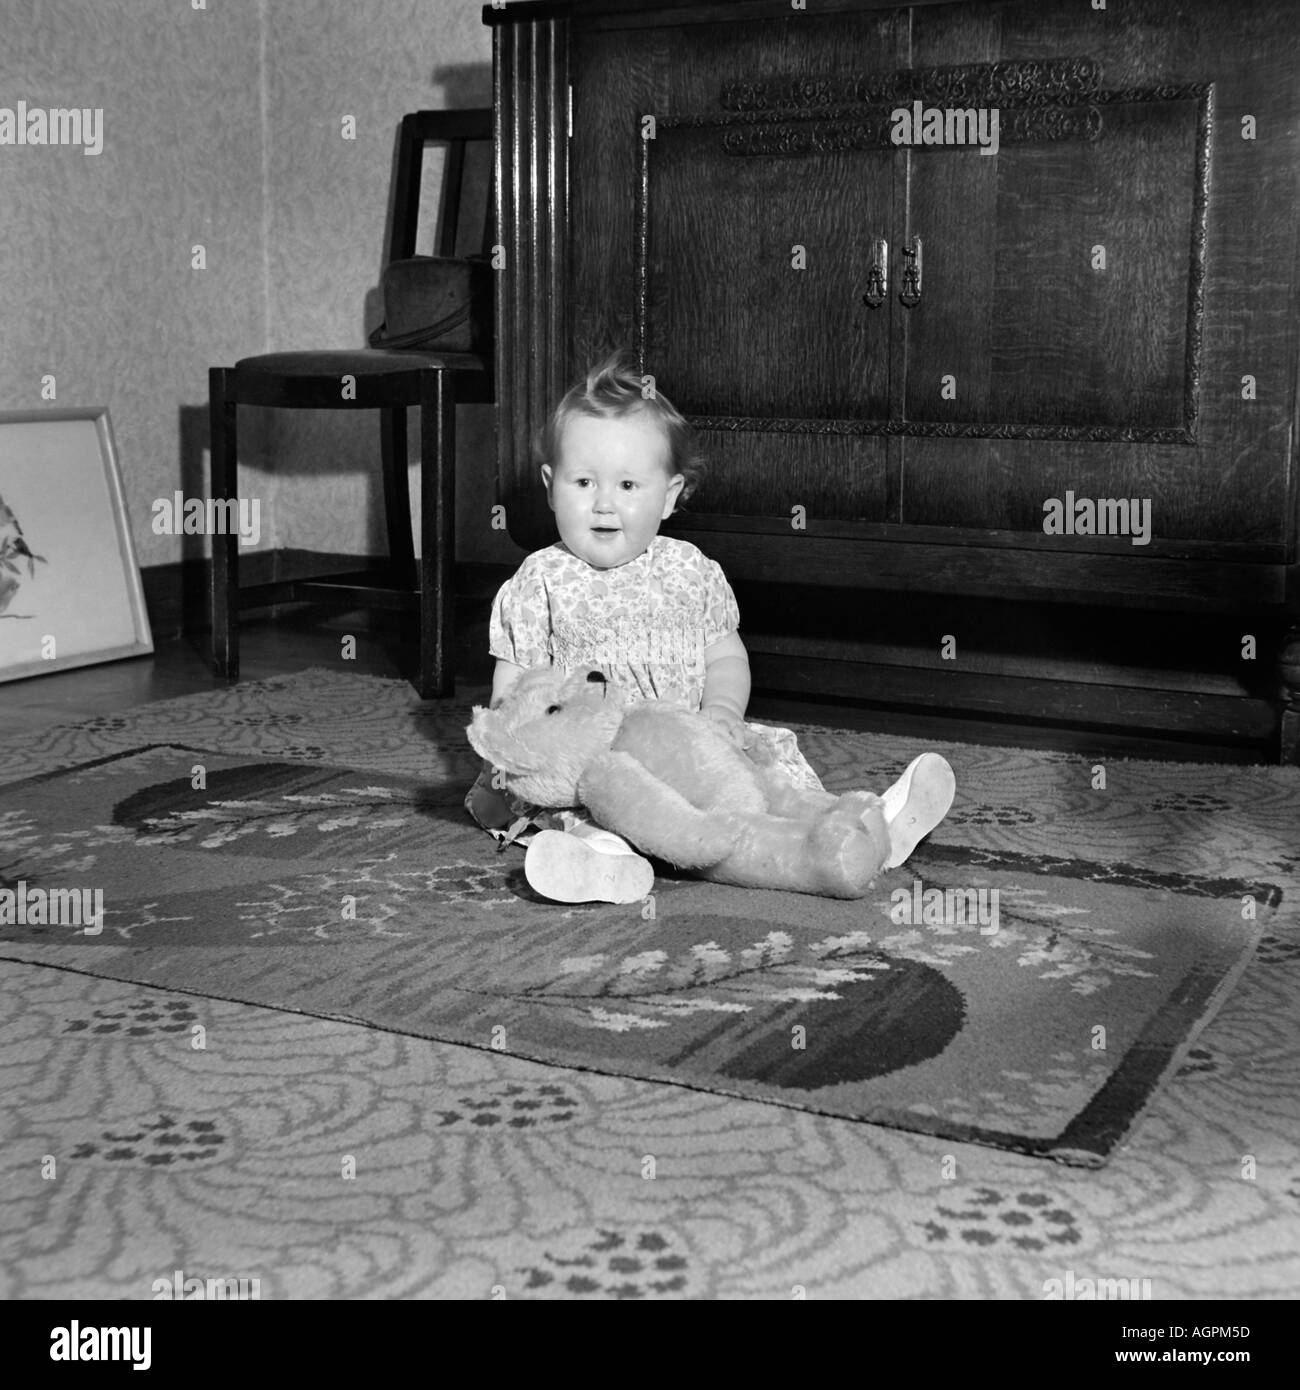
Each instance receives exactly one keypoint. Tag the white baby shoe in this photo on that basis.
(916, 803)
(584, 864)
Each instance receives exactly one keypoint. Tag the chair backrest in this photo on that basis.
(455, 129)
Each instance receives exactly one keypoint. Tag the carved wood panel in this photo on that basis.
(755, 272)
(531, 113)
(1064, 279)
(1026, 329)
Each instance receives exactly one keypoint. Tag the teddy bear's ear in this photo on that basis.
(490, 738)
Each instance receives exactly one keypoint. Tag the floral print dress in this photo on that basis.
(646, 624)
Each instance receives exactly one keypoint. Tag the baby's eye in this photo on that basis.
(628, 484)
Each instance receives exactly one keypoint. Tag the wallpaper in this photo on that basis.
(237, 204)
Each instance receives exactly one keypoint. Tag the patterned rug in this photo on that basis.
(1025, 981)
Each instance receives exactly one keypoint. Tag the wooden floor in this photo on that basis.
(298, 640)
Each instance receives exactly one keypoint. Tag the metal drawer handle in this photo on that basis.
(910, 295)
(878, 280)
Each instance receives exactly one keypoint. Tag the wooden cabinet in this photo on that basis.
(995, 300)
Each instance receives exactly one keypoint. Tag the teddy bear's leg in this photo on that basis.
(849, 845)
(911, 808)
(835, 854)
(916, 803)
(621, 793)
(585, 864)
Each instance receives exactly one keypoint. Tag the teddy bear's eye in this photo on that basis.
(553, 709)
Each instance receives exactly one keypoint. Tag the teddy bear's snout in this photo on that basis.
(595, 676)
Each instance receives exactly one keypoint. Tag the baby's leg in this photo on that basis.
(488, 808)
(507, 819)
(789, 783)
(785, 799)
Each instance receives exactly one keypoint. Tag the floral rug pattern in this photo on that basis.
(366, 895)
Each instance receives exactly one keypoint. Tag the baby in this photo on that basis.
(654, 613)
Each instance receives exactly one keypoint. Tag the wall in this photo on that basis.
(222, 128)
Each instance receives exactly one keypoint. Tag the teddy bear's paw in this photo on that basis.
(846, 857)
(861, 809)
(867, 811)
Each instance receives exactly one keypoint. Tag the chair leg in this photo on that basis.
(225, 548)
(397, 495)
(437, 673)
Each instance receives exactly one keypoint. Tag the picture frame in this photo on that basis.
(70, 590)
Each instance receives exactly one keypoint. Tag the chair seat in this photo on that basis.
(357, 362)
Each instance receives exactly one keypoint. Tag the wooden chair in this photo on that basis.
(388, 381)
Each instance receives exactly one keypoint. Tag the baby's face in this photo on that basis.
(611, 487)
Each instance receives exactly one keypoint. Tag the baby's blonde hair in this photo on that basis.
(615, 389)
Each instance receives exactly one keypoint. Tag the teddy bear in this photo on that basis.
(674, 786)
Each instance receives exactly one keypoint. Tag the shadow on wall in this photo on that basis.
(464, 84)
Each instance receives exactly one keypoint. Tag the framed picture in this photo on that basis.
(70, 591)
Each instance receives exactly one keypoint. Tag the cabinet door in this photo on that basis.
(1058, 272)
(757, 265)
(1074, 378)
(731, 243)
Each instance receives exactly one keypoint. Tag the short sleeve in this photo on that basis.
(721, 611)
(520, 627)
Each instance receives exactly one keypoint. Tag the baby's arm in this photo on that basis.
(519, 628)
(726, 686)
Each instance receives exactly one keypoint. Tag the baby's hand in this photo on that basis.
(728, 722)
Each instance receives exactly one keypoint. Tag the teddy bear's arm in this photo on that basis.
(622, 795)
